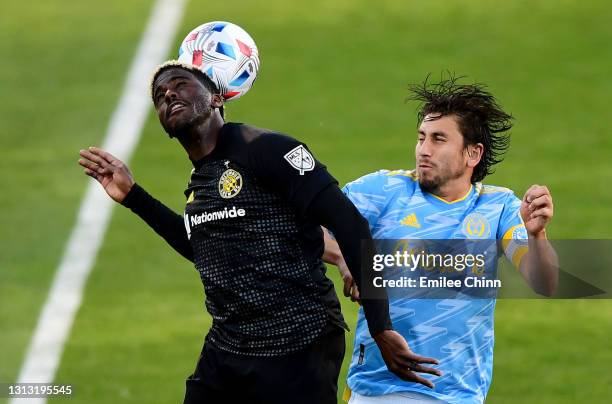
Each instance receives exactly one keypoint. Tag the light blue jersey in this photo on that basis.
(457, 332)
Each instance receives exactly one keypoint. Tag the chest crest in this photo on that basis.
(230, 183)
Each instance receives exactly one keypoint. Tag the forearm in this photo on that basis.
(165, 222)
(333, 210)
(331, 254)
(540, 265)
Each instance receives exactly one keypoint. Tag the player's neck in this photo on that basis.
(453, 190)
(201, 140)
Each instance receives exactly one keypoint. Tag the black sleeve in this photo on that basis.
(162, 219)
(334, 210)
(286, 166)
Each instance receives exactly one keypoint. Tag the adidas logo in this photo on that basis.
(411, 220)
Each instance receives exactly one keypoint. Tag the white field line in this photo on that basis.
(124, 129)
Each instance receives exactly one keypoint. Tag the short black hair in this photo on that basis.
(199, 74)
(480, 117)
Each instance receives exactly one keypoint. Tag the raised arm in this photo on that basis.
(540, 265)
(118, 182)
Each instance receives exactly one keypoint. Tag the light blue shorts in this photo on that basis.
(403, 397)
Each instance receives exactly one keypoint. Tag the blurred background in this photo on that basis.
(334, 73)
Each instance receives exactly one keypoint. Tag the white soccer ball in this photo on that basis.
(226, 53)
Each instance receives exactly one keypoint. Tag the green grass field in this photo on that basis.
(334, 74)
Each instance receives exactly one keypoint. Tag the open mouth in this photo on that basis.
(174, 108)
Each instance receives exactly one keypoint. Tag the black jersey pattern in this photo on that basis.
(257, 254)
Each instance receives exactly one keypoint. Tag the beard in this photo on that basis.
(198, 113)
(435, 181)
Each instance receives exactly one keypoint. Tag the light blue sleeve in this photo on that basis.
(367, 194)
(512, 231)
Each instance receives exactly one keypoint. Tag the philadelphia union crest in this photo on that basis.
(476, 225)
(300, 159)
(230, 184)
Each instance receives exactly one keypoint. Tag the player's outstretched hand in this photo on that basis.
(108, 170)
(402, 361)
(536, 209)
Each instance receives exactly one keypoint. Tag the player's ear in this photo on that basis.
(474, 154)
(216, 101)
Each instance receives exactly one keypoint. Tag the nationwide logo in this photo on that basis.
(411, 220)
(230, 183)
(300, 159)
(226, 213)
(217, 215)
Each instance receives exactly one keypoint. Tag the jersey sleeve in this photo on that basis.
(168, 224)
(288, 167)
(512, 231)
(365, 192)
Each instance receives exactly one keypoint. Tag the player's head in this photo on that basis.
(183, 97)
(461, 132)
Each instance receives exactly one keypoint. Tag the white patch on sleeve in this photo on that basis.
(300, 159)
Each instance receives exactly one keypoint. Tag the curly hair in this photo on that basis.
(480, 118)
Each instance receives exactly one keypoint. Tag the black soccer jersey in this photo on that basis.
(258, 256)
(251, 226)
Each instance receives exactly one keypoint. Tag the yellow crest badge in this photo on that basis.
(476, 225)
(230, 183)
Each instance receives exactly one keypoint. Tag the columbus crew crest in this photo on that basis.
(300, 159)
(230, 183)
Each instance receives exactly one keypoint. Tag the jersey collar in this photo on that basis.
(463, 198)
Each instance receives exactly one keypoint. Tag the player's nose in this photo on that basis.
(170, 95)
(423, 149)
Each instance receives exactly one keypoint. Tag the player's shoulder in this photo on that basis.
(253, 135)
(485, 189)
(383, 180)
(494, 193)
(409, 176)
(257, 146)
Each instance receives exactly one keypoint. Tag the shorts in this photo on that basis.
(402, 397)
(307, 376)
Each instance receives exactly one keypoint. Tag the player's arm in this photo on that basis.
(337, 213)
(285, 165)
(540, 265)
(333, 255)
(116, 179)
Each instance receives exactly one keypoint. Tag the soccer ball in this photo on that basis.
(226, 53)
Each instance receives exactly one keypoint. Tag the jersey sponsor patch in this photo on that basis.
(230, 183)
(300, 159)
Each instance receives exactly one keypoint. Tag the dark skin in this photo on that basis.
(189, 112)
